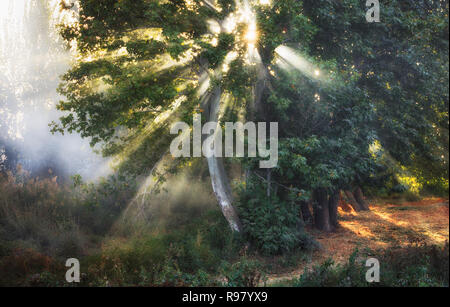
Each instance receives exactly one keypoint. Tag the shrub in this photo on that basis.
(412, 266)
(98, 205)
(273, 226)
(244, 273)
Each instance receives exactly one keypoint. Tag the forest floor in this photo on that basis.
(387, 224)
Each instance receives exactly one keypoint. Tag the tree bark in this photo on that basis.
(306, 213)
(321, 211)
(222, 191)
(352, 201)
(333, 205)
(359, 197)
(343, 204)
(219, 178)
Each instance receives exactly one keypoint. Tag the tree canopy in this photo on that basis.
(342, 89)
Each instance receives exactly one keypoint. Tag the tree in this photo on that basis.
(148, 60)
(335, 83)
(402, 63)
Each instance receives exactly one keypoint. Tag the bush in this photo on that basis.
(272, 226)
(413, 266)
(98, 205)
(244, 273)
(351, 274)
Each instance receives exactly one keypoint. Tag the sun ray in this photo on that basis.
(295, 60)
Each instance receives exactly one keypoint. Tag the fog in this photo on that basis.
(32, 58)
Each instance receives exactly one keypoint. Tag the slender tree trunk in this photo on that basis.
(352, 201)
(219, 178)
(333, 205)
(306, 213)
(269, 182)
(359, 197)
(321, 211)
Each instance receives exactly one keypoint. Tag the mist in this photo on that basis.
(32, 58)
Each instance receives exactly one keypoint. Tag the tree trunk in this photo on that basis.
(222, 191)
(359, 197)
(306, 213)
(321, 211)
(343, 204)
(262, 82)
(269, 182)
(219, 178)
(333, 205)
(352, 201)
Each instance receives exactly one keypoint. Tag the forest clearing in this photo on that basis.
(388, 224)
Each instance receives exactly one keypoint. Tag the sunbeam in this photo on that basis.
(290, 56)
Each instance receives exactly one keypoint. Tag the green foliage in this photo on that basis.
(216, 55)
(145, 49)
(384, 83)
(325, 132)
(98, 205)
(188, 255)
(413, 266)
(271, 225)
(243, 273)
(402, 63)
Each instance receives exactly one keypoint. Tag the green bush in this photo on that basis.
(244, 273)
(412, 266)
(272, 226)
(98, 205)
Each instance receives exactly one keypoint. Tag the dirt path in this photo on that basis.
(386, 224)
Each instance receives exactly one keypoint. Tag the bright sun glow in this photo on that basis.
(252, 34)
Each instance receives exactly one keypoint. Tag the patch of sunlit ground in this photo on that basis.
(385, 225)
(425, 221)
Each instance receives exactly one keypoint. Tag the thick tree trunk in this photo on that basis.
(333, 202)
(343, 204)
(259, 87)
(359, 197)
(306, 213)
(321, 211)
(352, 201)
(219, 178)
